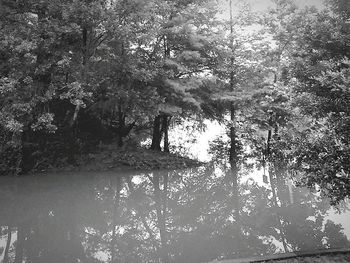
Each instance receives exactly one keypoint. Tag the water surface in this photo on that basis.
(195, 215)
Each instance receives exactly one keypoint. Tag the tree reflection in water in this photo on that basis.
(195, 215)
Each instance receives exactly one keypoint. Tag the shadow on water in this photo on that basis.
(195, 215)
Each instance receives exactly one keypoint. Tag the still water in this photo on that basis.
(195, 215)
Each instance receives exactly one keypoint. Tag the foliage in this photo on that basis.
(318, 73)
(79, 72)
(299, 118)
(74, 74)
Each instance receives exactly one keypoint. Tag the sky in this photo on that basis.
(263, 5)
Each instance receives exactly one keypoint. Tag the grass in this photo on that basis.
(112, 158)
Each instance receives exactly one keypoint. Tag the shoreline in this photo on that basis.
(112, 159)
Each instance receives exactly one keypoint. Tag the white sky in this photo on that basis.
(263, 5)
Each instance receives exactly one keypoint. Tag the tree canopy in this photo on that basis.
(74, 74)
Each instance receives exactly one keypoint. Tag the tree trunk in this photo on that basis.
(32, 242)
(165, 131)
(233, 146)
(165, 194)
(75, 115)
(275, 201)
(8, 244)
(272, 172)
(160, 208)
(83, 73)
(84, 44)
(121, 125)
(84, 60)
(268, 144)
(21, 233)
(157, 135)
(165, 122)
(75, 249)
(116, 200)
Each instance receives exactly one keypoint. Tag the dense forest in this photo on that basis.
(75, 74)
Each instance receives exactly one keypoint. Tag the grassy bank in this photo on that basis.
(112, 158)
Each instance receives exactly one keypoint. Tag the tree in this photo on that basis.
(46, 51)
(184, 53)
(316, 70)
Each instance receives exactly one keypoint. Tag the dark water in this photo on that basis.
(197, 215)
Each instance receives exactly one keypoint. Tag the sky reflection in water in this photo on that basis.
(178, 216)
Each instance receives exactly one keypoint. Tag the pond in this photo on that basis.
(195, 215)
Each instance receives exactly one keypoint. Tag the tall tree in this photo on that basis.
(187, 45)
(315, 71)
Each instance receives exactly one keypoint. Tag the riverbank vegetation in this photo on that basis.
(78, 74)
